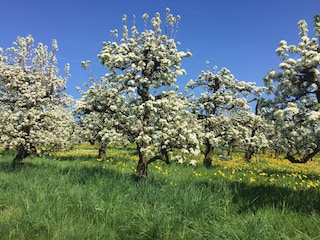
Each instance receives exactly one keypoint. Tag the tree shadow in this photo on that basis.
(247, 197)
(254, 197)
(77, 174)
(6, 166)
(75, 158)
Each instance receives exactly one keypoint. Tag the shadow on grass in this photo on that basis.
(6, 166)
(66, 164)
(86, 175)
(252, 198)
(75, 158)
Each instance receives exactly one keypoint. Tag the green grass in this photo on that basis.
(82, 198)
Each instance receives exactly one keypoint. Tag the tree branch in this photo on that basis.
(305, 158)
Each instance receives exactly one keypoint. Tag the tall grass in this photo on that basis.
(82, 198)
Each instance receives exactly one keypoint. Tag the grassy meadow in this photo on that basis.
(74, 195)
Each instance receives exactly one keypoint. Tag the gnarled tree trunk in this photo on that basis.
(250, 150)
(207, 161)
(19, 159)
(230, 149)
(249, 153)
(304, 159)
(142, 168)
(102, 152)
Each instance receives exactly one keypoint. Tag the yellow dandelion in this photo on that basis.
(252, 179)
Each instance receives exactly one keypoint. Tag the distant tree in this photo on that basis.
(295, 96)
(139, 92)
(223, 109)
(97, 126)
(253, 132)
(34, 108)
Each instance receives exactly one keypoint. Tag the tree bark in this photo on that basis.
(164, 157)
(142, 167)
(19, 159)
(230, 149)
(304, 159)
(102, 152)
(249, 153)
(207, 162)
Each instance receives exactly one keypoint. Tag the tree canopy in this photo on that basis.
(224, 112)
(34, 115)
(295, 89)
(139, 91)
(138, 101)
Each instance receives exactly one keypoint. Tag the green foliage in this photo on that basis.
(55, 198)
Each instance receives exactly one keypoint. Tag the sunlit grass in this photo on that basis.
(75, 195)
(267, 171)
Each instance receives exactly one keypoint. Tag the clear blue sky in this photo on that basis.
(239, 35)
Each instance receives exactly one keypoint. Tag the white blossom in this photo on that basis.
(141, 66)
(193, 162)
(32, 98)
(294, 104)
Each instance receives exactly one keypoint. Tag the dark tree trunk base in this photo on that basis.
(142, 168)
(18, 161)
(248, 155)
(102, 152)
(304, 159)
(207, 161)
(141, 171)
(17, 164)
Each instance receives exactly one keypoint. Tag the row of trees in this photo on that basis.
(138, 101)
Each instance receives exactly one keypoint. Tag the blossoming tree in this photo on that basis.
(139, 92)
(97, 125)
(224, 111)
(34, 117)
(295, 105)
(251, 132)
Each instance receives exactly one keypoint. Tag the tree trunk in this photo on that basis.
(142, 168)
(304, 159)
(102, 152)
(230, 149)
(207, 162)
(165, 155)
(249, 153)
(19, 159)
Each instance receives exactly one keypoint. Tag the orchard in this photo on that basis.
(138, 101)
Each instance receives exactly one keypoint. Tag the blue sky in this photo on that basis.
(239, 35)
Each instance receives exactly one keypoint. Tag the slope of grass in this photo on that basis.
(80, 197)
